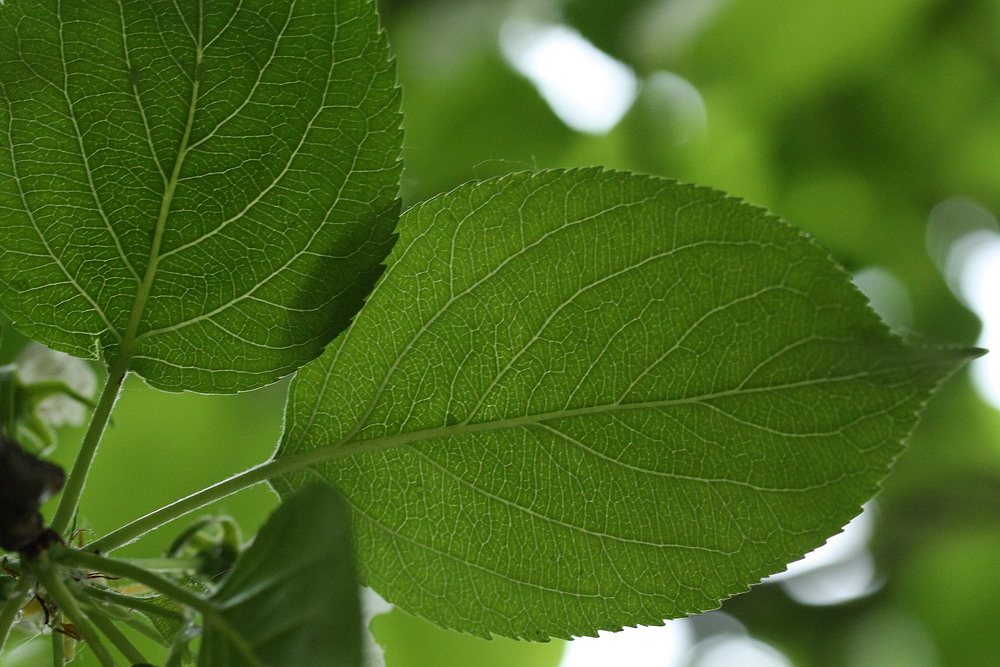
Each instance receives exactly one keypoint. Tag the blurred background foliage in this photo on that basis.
(858, 121)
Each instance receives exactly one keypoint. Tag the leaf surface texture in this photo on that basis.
(207, 188)
(587, 399)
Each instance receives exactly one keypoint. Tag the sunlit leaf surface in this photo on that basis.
(205, 188)
(596, 399)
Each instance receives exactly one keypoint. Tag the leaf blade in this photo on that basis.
(217, 188)
(594, 399)
(292, 595)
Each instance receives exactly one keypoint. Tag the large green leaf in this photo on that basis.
(292, 597)
(583, 400)
(206, 189)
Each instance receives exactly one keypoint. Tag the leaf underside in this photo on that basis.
(222, 175)
(589, 400)
(293, 594)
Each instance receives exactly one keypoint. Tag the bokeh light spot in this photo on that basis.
(979, 264)
(728, 651)
(586, 88)
(636, 647)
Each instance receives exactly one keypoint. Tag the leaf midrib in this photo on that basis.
(126, 349)
(346, 446)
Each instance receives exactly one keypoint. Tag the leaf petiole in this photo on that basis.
(117, 638)
(8, 613)
(165, 564)
(131, 602)
(259, 473)
(58, 650)
(123, 568)
(56, 589)
(73, 489)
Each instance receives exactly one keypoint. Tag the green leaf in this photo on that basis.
(168, 626)
(585, 400)
(204, 189)
(293, 595)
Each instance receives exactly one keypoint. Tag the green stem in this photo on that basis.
(70, 499)
(8, 613)
(118, 639)
(132, 531)
(131, 602)
(56, 589)
(123, 568)
(58, 650)
(42, 390)
(165, 564)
